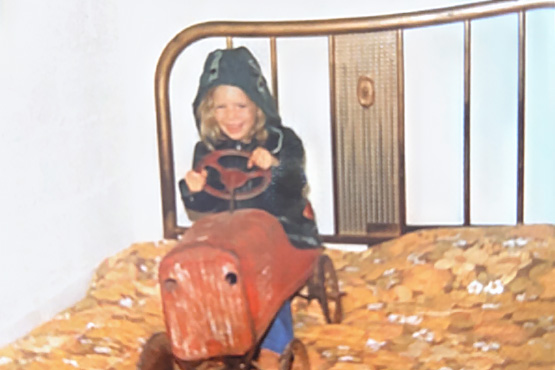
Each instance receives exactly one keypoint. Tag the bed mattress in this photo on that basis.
(449, 298)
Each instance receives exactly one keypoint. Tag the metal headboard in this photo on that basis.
(333, 28)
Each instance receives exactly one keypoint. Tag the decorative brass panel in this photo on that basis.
(366, 138)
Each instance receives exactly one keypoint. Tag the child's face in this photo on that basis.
(235, 113)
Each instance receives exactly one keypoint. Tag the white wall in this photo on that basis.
(78, 140)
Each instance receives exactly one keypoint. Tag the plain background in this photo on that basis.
(78, 153)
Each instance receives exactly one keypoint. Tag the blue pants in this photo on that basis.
(281, 330)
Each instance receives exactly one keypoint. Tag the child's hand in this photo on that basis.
(196, 180)
(262, 158)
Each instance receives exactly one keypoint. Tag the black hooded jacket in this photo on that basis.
(285, 197)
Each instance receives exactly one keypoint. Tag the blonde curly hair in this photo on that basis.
(210, 132)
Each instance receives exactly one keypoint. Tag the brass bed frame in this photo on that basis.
(334, 28)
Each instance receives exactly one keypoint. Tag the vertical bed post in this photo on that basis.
(165, 145)
(273, 58)
(521, 123)
(466, 127)
(401, 131)
(333, 121)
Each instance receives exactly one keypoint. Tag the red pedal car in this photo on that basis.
(226, 279)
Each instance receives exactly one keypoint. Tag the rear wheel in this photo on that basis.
(294, 357)
(325, 287)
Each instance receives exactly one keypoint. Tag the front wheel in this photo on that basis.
(294, 357)
(156, 354)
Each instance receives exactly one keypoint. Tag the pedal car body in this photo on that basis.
(226, 279)
(221, 288)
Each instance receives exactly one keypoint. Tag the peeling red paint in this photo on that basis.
(225, 281)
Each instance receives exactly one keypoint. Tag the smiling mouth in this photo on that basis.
(234, 128)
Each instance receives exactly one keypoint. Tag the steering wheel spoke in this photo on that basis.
(233, 178)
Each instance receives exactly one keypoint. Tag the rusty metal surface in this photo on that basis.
(221, 288)
(205, 304)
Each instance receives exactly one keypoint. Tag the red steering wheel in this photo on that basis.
(233, 178)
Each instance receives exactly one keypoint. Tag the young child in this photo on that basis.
(235, 110)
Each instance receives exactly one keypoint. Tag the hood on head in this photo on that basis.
(239, 68)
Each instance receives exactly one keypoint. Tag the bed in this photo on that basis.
(436, 297)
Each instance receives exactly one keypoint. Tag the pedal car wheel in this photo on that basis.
(202, 365)
(294, 357)
(325, 288)
(156, 353)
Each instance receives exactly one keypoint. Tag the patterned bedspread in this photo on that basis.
(442, 299)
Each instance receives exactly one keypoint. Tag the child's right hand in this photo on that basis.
(196, 180)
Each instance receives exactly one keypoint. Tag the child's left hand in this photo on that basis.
(262, 158)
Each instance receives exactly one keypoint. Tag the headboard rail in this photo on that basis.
(332, 28)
